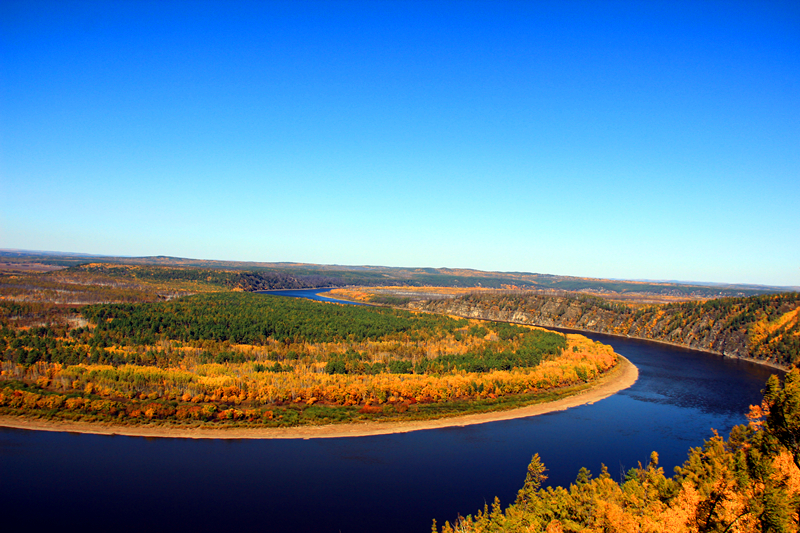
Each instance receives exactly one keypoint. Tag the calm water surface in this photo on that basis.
(383, 483)
(318, 295)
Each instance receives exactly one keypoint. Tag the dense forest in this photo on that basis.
(746, 484)
(226, 279)
(269, 360)
(764, 327)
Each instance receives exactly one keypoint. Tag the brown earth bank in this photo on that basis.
(620, 378)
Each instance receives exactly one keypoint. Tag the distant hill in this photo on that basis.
(765, 328)
(249, 276)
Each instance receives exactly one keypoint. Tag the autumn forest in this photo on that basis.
(236, 358)
(193, 346)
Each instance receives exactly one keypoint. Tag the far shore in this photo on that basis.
(770, 364)
(622, 377)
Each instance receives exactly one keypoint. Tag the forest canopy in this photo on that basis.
(243, 358)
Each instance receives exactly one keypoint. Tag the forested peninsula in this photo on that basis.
(157, 345)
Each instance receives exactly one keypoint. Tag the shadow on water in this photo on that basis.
(383, 483)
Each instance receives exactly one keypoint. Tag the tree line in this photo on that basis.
(764, 327)
(244, 318)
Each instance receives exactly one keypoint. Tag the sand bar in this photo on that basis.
(624, 376)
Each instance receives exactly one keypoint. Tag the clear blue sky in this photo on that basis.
(640, 140)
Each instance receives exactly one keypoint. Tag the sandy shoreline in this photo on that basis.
(619, 379)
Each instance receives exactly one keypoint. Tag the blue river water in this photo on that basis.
(309, 294)
(388, 483)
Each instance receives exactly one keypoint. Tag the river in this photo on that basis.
(309, 294)
(388, 483)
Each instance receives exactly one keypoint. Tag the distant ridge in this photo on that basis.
(367, 275)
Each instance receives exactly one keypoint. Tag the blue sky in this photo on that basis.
(640, 140)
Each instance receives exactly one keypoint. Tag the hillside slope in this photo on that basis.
(764, 328)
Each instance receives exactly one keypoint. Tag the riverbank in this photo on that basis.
(622, 377)
(581, 331)
(717, 327)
